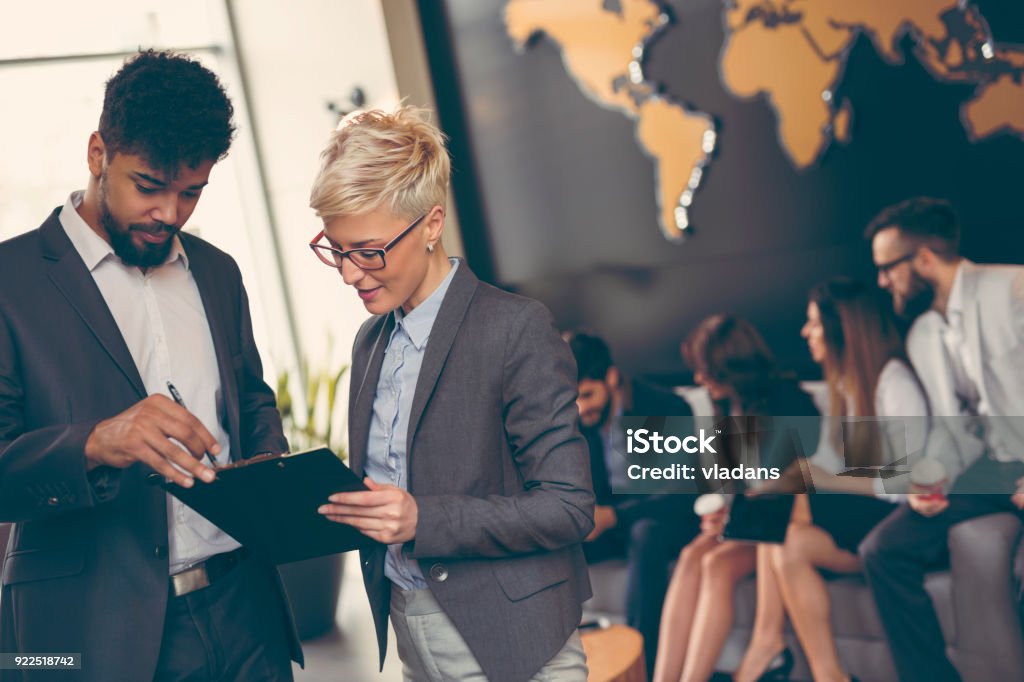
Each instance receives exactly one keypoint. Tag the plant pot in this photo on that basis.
(313, 588)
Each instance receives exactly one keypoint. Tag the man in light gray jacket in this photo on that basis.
(966, 346)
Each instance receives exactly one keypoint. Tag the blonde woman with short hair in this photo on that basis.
(462, 420)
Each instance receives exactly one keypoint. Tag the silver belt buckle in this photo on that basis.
(190, 580)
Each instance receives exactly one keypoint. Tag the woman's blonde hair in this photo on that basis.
(378, 159)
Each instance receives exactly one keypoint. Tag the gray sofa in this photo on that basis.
(976, 600)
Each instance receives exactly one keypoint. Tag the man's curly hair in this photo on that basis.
(168, 109)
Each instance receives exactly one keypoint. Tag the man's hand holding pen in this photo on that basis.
(385, 513)
(142, 433)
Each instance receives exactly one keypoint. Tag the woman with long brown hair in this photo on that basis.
(850, 332)
(731, 360)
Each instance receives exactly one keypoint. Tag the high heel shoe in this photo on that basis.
(780, 667)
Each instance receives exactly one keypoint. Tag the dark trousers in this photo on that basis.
(650, 546)
(235, 629)
(901, 549)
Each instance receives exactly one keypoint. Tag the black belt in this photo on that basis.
(206, 572)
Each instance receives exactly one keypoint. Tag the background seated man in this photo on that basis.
(649, 530)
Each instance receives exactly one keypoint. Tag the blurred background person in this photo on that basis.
(966, 346)
(731, 360)
(851, 333)
(649, 530)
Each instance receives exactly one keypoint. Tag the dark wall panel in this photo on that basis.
(557, 200)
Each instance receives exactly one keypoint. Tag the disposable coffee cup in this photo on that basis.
(929, 476)
(708, 503)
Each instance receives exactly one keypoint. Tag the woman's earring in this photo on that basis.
(430, 248)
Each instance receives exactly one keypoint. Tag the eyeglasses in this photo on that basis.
(364, 259)
(884, 268)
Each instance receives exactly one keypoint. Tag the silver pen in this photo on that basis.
(178, 399)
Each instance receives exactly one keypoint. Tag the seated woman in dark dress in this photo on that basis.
(733, 363)
(851, 334)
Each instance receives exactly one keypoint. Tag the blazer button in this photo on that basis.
(438, 573)
(160, 551)
(53, 501)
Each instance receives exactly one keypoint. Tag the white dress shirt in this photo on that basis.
(162, 320)
(965, 376)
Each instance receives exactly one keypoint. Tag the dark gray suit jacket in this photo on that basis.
(87, 565)
(499, 471)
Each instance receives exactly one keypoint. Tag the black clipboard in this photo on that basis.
(269, 504)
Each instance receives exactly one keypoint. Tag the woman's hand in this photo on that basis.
(1018, 497)
(385, 513)
(925, 502)
(714, 523)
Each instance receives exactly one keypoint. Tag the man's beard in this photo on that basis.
(918, 300)
(144, 256)
(602, 418)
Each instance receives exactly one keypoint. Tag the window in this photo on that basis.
(52, 73)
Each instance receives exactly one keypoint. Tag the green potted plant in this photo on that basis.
(313, 585)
